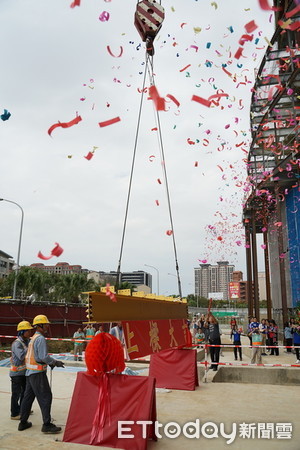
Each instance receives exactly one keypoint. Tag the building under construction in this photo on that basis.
(273, 204)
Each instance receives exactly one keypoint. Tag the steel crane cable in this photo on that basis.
(131, 174)
(163, 164)
(149, 62)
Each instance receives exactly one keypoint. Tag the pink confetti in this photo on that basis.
(112, 54)
(104, 16)
(169, 232)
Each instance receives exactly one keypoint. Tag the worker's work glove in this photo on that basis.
(59, 363)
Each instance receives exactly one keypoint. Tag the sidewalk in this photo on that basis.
(211, 402)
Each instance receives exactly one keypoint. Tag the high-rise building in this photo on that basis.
(213, 278)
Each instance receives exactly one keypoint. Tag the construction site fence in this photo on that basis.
(204, 346)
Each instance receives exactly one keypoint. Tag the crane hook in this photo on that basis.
(148, 19)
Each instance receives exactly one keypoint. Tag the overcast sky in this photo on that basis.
(55, 65)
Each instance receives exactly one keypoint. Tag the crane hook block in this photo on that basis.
(148, 19)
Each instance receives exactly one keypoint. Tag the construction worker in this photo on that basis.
(18, 368)
(78, 345)
(37, 384)
(90, 332)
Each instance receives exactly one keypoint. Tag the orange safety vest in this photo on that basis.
(14, 368)
(30, 361)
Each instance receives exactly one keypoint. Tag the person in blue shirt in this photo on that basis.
(288, 336)
(296, 341)
(236, 340)
(18, 368)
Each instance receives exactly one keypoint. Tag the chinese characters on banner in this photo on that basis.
(144, 337)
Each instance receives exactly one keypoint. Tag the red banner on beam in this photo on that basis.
(144, 337)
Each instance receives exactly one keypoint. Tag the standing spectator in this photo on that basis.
(256, 346)
(253, 325)
(78, 346)
(268, 340)
(236, 339)
(200, 337)
(233, 322)
(90, 332)
(288, 336)
(18, 368)
(100, 330)
(274, 337)
(194, 329)
(117, 331)
(264, 333)
(213, 335)
(37, 384)
(296, 339)
(201, 321)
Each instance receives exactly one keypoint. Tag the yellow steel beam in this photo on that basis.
(102, 309)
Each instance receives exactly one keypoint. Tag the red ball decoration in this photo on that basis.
(104, 354)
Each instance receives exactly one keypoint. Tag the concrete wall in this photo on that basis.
(259, 375)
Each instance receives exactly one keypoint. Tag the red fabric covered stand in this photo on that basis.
(175, 369)
(126, 398)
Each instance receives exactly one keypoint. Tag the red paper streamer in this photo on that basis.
(75, 3)
(115, 56)
(238, 53)
(89, 156)
(64, 124)
(224, 94)
(250, 26)
(292, 12)
(264, 4)
(201, 100)
(186, 67)
(245, 37)
(171, 97)
(159, 102)
(57, 251)
(169, 232)
(109, 122)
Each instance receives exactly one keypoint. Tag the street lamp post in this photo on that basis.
(19, 246)
(157, 271)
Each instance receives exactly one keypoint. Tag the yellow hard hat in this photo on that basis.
(40, 319)
(24, 325)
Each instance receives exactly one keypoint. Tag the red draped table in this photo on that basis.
(124, 398)
(175, 369)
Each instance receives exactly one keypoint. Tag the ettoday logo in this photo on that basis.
(128, 429)
(172, 430)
